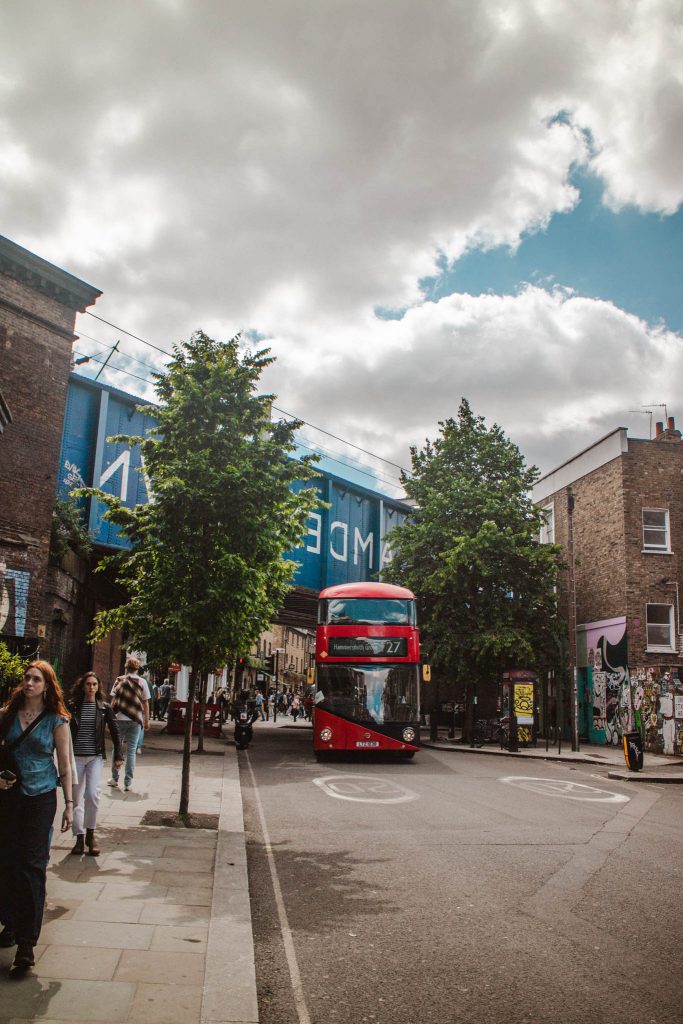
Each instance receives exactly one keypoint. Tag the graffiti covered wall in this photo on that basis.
(658, 693)
(618, 699)
(14, 590)
(607, 696)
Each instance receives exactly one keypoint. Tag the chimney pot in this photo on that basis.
(659, 429)
(670, 423)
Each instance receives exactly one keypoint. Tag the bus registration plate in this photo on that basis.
(367, 743)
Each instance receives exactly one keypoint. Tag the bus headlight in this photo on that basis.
(409, 735)
(326, 735)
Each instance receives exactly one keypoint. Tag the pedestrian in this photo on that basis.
(164, 697)
(34, 726)
(89, 715)
(155, 700)
(296, 706)
(222, 704)
(259, 705)
(308, 706)
(130, 703)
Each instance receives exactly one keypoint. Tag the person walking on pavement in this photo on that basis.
(34, 727)
(89, 716)
(154, 690)
(259, 705)
(296, 707)
(130, 703)
(164, 697)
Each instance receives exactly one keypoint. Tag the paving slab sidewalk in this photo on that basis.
(658, 767)
(158, 927)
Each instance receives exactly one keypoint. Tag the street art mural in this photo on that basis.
(661, 708)
(14, 588)
(619, 700)
(608, 699)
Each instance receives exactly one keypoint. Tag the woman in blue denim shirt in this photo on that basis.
(28, 806)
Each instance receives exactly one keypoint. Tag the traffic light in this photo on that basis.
(270, 664)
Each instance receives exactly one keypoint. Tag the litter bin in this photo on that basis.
(633, 751)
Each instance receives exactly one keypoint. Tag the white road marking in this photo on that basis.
(364, 789)
(287, 938)
(566, 790)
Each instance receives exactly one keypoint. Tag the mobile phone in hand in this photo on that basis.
(8, 776)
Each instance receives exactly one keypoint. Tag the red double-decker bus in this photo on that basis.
(367, 655)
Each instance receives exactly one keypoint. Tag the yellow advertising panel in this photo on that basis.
(524, 703)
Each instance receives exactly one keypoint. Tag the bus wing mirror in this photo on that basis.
(427, 673)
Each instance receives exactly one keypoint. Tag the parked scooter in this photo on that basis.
(245, 716)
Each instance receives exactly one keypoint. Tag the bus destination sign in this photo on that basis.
(368, 647)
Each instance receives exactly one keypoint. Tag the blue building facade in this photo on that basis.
(344, 543)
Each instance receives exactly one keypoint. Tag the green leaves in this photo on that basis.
(206, 574)
(485, 586)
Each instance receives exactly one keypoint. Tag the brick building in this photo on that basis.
(38, 306)
(616, 509)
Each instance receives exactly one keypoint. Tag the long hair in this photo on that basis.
(78, 688)
(54, 698)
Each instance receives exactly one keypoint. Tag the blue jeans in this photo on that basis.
(130, 733)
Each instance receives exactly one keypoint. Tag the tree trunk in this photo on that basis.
(187, 745)
(202, 709)
(468, 720)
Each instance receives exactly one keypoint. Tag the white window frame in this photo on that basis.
(657, 549)
(671, 646)
(546, 534)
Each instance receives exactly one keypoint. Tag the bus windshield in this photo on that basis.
(366, 611)
(371, 693)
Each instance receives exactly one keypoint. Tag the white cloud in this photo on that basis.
(555, 370)
(292, 166)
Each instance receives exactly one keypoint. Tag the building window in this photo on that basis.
(660, 627)
(656, 530)
(547, 533)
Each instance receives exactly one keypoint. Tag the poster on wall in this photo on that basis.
(524, 703)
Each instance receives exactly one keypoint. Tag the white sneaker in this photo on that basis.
(127, 789)
(113, 783)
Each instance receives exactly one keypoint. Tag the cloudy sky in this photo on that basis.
(408, 200)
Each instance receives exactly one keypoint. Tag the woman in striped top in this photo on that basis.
(89, 714)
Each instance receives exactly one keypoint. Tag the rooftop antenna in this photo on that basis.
(644, 412)
(656, 405)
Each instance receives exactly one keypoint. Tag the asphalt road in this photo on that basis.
(458, 887)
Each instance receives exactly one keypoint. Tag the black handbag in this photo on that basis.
(8, 761)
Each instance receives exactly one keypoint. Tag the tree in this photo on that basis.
(67, 532)
(12, 667)
(486, 588)
(205, 571)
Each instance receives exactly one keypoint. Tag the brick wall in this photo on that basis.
(598, 528)
(653, 478)
(38, 305)
(613, 576)
(35, 370)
